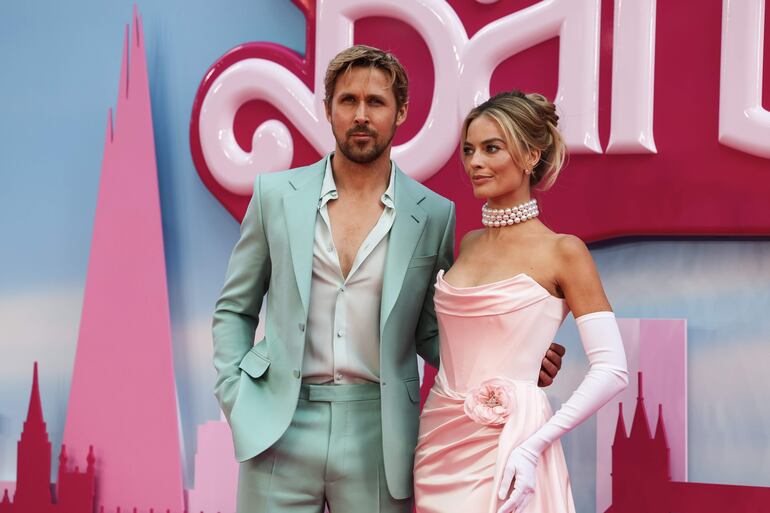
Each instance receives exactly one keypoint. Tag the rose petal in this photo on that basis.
(491, 402)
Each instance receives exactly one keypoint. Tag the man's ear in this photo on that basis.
(328, 111)
(401, 114)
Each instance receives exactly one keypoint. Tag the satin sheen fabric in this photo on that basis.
(496, 330)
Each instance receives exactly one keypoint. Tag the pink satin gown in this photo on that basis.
(498, 330)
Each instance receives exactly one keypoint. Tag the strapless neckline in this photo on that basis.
(496, 284)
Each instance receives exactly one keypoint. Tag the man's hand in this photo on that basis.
(551, 364)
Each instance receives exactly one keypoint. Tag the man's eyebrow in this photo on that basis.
(372, 95)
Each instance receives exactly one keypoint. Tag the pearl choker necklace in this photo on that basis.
(497, 217)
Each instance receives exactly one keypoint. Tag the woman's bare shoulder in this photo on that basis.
(578, 277)
(470, 238)
(570, 248)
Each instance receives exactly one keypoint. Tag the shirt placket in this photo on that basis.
(339, 337)
(340, 354)
(339, 325)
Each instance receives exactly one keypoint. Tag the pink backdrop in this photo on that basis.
(693, 185)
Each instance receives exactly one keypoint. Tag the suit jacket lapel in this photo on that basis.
(404, 236)
(300, 209)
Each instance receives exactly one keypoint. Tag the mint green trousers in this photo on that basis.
(331, 454)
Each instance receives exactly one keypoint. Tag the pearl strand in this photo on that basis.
(497, 217)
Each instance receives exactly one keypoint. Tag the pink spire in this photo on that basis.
(33, 463)
(124, 353)
(620, 429)
(35, 410)
(661, 443)
(640, 425)
(660, 428)
(6, 499)
(137, 27)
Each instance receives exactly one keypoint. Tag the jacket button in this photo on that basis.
(302, 326)
(297, 373)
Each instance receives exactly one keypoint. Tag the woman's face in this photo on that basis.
(489, 164)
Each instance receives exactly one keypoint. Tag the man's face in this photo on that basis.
(363, 114)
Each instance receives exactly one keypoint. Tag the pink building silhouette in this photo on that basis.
(123, 393)
(216, 470)
(641, 475)
(74, 492)
(657, 348)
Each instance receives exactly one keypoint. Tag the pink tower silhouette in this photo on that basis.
(123, 394)
(33, 464)
(658, 348)
(642, 481)
(34, 491)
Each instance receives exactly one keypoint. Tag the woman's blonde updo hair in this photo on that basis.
(529, 123)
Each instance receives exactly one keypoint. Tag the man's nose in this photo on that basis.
(362, 117)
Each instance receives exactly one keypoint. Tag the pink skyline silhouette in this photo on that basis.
(123, 394)
(657, 348)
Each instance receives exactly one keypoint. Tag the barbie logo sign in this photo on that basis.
(260, 107)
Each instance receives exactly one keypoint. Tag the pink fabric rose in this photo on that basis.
(491, 402)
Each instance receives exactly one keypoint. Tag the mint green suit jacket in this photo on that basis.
(258, 385)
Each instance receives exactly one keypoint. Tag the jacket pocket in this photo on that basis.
(254, 364)
(413, 389)
(422, 261)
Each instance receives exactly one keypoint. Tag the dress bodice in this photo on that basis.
(499, 329)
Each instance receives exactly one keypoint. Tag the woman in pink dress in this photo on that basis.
(488, 441)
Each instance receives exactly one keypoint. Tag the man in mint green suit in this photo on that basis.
(324, 409)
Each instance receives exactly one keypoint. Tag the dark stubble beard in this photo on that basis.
(353, 150)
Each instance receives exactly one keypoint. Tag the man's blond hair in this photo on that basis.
(367, 57)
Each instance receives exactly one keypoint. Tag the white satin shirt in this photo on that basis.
(343, 345)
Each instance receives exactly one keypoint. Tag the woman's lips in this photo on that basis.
(481, 179)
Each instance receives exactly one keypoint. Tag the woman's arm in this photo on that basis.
(606, 377)
(578, 278)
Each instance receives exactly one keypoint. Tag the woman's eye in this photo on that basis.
(467, 151)
(492, 148)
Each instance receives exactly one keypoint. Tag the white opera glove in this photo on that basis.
(606, 377)
(521, 466)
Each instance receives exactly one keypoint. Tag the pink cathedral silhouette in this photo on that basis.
(34, 492)
(641, 475)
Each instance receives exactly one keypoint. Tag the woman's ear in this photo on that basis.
(534, 158)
